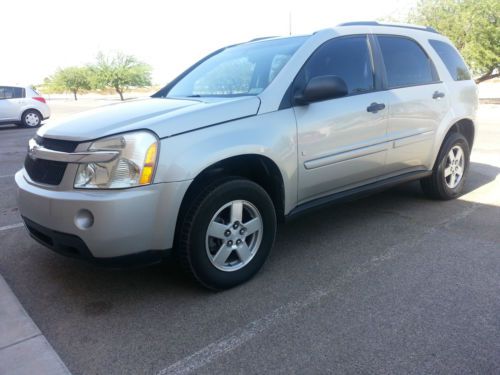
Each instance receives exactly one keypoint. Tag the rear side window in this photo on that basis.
(405, 62)
(348, 58)
(452, 60)
(18, 92)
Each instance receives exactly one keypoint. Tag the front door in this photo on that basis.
(341, 142)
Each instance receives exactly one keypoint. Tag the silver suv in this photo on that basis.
(253, 134)
(22, 106)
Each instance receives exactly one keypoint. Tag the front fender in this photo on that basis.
(273, 135)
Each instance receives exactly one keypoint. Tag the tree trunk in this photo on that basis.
(120, 92)
(74, 94)
(487, 76)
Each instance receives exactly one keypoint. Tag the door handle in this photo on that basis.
(437, 95)
(375, 107)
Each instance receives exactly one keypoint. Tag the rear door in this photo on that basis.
(342, 141)
(418, 102)
(9, 103)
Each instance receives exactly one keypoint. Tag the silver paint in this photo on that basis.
(319, 149)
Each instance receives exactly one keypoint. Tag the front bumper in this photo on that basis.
(125, 222)
(74, 247)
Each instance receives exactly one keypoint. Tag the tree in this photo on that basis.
(120, 72)
(73, 78)
(472, 25)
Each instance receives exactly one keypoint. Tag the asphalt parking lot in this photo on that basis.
(390, 284)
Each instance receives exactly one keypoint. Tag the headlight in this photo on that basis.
(134, 165)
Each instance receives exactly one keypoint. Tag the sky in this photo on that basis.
(168, 35)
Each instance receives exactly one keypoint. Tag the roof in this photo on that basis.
(389, 24)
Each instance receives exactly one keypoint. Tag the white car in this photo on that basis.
(22, 106)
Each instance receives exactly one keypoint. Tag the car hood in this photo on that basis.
(166, 117)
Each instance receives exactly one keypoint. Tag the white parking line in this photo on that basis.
(12, 226)
(242, 335)
(7, 175)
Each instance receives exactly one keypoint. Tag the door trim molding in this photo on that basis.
(413, 138)
(347, 155)
(375, 148)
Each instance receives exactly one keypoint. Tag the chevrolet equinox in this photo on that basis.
(250, 135)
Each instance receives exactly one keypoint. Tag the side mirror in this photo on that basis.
(322, 88)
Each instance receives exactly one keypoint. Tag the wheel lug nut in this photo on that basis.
(229, 243)
(227, 233)
(238, 242)
(235, 225)
(243, 230)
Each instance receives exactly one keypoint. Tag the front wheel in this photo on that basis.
(227, 233)
(449, 172)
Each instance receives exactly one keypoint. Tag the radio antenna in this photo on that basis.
(290, 23)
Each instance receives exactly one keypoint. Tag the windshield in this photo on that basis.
(245, 69)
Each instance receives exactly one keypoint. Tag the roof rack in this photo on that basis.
(261, 38)
(375, 23)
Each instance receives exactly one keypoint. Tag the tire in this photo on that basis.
(204, 248)
(448, 175)
(31, 119)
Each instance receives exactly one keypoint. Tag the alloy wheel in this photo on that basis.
(454, 169)
(234, 235)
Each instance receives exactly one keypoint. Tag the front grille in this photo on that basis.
(47, 171)
(56, 144)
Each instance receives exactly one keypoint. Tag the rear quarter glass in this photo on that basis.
(451, 59)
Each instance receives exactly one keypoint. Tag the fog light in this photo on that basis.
(84, 219)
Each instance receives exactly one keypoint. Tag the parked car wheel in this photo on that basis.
(227, 233)
(449, 172)
(31, 119)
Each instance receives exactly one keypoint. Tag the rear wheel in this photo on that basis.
(31, 118)
(227, 233)
(449, 172)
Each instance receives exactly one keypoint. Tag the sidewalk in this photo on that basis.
(23, 348)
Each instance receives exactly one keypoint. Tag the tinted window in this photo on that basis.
(451, 59)
(6, 92)
(348, 58)
(18, 92)
(405, 62)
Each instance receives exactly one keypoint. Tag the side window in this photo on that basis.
(346, 57)
(17, 92)
(405, 62)
(6, 92)
(452, 60)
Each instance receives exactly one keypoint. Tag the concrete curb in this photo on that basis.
(23, 348)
